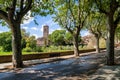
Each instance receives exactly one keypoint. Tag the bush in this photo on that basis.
(1, 49)
(27, 49)
(37, 49)
(56, 48)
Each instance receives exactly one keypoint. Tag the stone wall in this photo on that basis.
(8, 58)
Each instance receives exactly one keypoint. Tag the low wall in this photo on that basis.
(8, 58)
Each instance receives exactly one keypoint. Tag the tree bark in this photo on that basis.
(110, 48)
(110, 42)
(97, 44)
(16, 46)
(75, 43)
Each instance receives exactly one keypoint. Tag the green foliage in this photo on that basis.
(96, 23)
(5, 41)
(23, 42)
(13, 12)
(37, 49)
(71, 15)
(117, 33)
(1, 49)
(31, 42)
(56, 48)
(27, 49)
(62, 37)
(27, 40)
(68, 38)
(57, 37)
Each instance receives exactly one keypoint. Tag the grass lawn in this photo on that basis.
(10, 53)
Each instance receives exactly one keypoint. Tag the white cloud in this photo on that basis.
(41, 29)
(34, 28)
(51, 22)
(1, 31)
(51, 30)
(59, 29)
(86, 33)
(24, 27)
(36, 36)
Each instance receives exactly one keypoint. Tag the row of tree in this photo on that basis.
(69, 14)
(73, 14)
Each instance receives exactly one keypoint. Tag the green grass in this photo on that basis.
(49, 49)
(5, 53)
(10, 53)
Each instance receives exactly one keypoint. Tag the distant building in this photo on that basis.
(43, 41)
(89, 41)
(86, 39)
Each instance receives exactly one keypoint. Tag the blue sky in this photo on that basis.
(37, 30)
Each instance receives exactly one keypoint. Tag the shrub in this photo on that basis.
(37, 49)
(27, 49)
(56, 48)
(1, 49)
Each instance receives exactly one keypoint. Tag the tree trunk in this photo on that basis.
(75, 43)
(110, 42)
(16, 46)
(97, 44)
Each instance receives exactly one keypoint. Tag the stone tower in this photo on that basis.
(45, 34)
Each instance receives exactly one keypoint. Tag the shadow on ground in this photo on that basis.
(107, 73)
(74, 69)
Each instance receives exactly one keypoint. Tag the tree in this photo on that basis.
(12, 12)
(95, 24)
(31, 42)
(5, 41)
(117, 35)
(25, 35)
(57, 37)
(71, 15)
(111, 9)
(68, 38)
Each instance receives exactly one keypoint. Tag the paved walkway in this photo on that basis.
(39, 61)
(107, 73)
(69, 69)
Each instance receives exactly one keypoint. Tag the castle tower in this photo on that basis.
(45, 34)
